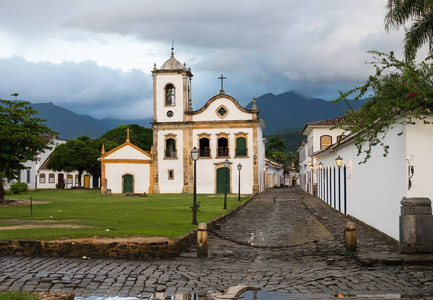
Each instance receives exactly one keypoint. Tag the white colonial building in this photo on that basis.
(221, 130)
(38, 176)
(370, 192)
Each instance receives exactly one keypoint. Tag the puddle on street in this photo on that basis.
(244, 293)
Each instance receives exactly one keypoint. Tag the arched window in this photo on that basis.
(241, 144)
(340, 137)
(51, 178)
(223, 147)
(325, 141)
(169, 95)
(170, 148)
(42, 178)
(204, 146)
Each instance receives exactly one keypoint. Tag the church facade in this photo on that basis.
(221, 130)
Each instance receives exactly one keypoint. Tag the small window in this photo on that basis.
(169, 95)
(340, 137)
(69, 179)
(204, 147)
(170, 148)
(223, 147)
(325, 141)
(42, 178)
(170, 174)
(222, 111)
(51, 178)
(76, 180)
(28, 176)
(241, 146)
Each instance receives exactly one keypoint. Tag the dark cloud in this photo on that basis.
(81, 87)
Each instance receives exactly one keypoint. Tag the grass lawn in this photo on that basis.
(86, 213)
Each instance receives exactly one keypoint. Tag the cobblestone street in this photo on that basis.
(300, 270)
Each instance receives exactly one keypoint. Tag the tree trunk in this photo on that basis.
(79, 178)
(2, 191)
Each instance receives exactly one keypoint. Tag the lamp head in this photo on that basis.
(239, 166)
(339, 161)
(320, 166)
(194, 154)
(227, 163)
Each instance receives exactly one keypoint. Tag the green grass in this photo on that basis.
(155, 215)
(17, 296)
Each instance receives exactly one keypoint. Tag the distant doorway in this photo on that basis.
(128, 183)
(221, 180)
(86, 181)
(60, 181)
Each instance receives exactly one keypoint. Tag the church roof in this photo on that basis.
(172, 64)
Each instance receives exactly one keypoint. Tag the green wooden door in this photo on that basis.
(127, 183)
(221, 180)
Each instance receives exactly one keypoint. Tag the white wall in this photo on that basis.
(374, 189)
(419, 147)
(206, 167)
(164, 164)
(115, 171)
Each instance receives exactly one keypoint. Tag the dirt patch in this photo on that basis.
(20, 202)
(101, 240)
(33, 226)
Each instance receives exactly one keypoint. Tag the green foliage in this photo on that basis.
(21, 139)
(155, 215)
(420, 16)
(276, 150)
(18, 188)
(17, 296)
(402, 92)
(140, 136)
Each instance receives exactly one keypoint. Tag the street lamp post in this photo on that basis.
(226, 165)
(194, 156)
(339, 162)
(239, 187)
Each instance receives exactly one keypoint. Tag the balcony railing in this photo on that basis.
(223, 152)
(205, 152)
(170, 154)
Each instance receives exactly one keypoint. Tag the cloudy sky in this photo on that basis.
(95, 57)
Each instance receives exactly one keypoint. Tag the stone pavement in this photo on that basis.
(278, 217)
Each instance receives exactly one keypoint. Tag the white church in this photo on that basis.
(221, 130)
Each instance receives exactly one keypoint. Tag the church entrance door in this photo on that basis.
(221, 180)
(127, 184)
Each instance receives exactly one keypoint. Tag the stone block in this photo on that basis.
(408, 230)
(416, 210)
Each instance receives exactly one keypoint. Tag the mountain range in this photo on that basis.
(280, 113)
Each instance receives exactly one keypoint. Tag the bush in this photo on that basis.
(18, 188)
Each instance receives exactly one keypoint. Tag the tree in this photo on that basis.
(275, 149)
(140, 136)
(75, 155)
(420, 13)
(21, 138)
(402, 92)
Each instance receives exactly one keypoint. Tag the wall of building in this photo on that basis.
(167, 185)
(140, 172)
(374, 189)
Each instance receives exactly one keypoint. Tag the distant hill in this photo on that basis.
(70, 125)
(290, 109)
(281, 114)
